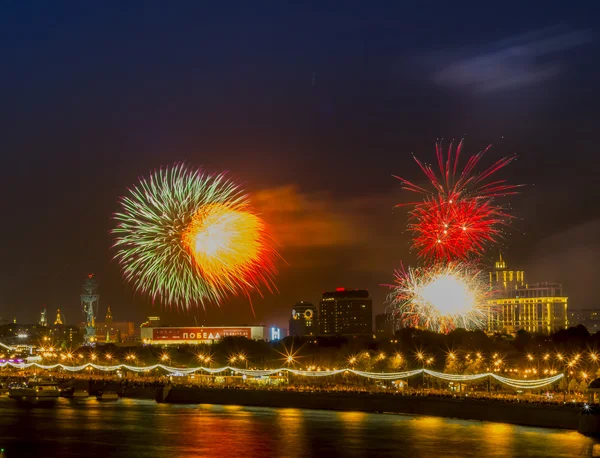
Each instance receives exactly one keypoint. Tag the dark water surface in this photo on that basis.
(131, 428)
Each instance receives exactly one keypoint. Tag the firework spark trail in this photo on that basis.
(459, 216)
(184, 237)
(440, 297)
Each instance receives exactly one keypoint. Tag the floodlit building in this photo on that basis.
(303, 321)
(114, 331)
(503, 280)
(515, 305)
(346, 312)
(166, 335)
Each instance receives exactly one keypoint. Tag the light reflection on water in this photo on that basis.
(131, 428)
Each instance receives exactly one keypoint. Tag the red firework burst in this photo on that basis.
(459, 216)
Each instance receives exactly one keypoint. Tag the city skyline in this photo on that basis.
(333, 131)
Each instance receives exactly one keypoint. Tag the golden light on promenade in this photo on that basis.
(546, 356)
(452, 355)
(530, 357)
(352, 360)
(108, 356)
(165, 357)
(93, 356)
(594, 356)
(559, 356)
(420, 355)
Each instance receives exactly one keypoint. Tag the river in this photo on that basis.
(145, 429)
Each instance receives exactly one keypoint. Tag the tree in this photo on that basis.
(573, 385)
(562, 385)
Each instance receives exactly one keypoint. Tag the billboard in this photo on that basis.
(199, 334)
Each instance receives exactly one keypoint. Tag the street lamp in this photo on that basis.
(421, 357)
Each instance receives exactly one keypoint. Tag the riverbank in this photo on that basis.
(545, 416)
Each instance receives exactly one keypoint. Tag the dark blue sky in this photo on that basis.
(326, 102)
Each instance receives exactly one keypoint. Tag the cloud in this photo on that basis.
(516, 62)
(305, 220)
(315, 229)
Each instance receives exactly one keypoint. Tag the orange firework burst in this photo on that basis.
(185, 238)
(230, 246)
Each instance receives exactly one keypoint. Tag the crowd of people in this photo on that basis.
(125, 380)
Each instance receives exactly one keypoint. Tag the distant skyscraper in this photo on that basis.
(108, 322)
(43, 318)
(108, 318)
(111, 331)
(59, 318)
(303, 321)
(503, 280)
(346, 312)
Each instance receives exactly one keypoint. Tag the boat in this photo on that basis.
(34, 390)
(107, 396)
(80, 394)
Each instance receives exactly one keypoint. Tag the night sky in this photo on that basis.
(312, 108)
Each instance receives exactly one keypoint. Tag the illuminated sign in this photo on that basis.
(183, 334)
(275, 333)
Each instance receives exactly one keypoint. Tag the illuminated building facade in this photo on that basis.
(503, 280)
(114, 331)
(167, 335)
(515, 305)
(346, 312)
(303, 321)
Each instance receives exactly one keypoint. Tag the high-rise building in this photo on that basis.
(59, 318)
(111, 331)
(346, 312)
(503, 280)
(515, 305)
(303, 321)
(43, 318)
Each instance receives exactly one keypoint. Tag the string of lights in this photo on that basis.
(515, 383)
(527, 384)
(387, 376)
(455, 377)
